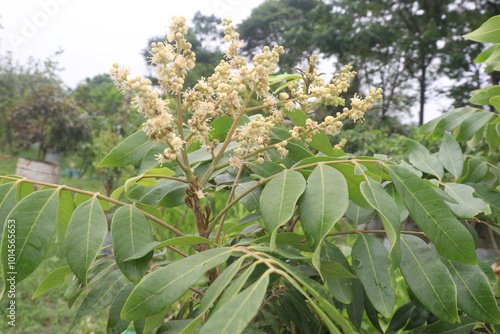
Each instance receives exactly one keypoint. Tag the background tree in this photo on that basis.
(395, 43)
(291, 23)
(17, 83)
(111, 121)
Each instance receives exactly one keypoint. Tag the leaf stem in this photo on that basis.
(98, 195)
(370, 231)
(162, 177)
(223, 217)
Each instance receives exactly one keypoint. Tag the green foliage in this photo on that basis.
(222, 231)
(50, 118)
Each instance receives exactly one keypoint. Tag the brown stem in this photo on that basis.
(221, 224)
(100, 196)
(370, 231)
(162, 177)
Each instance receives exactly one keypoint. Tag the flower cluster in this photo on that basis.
(172, 62)
(359, 106)
(231, 91)
(313, 86)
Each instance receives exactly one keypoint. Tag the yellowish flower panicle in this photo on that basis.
(359, 106)
(120, 76)
(231, 91)
(265, 63)
(173, 61)
(341, 144)
(234, 44)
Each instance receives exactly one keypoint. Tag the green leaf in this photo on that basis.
(492, 67)
(341, 288)
(440, 327)
(130, 232)
(84, 238)
(82, 198)
(101, 296)
(432, 215)
(323, 203)
(321, 305)
(319, 141)
(450, 155)
(485, 54)
(221, 126)
(149, 160)
(115, 323)
(234, 287)
(332, 269)
(356, 308)
(168, 193)
(24, 189)
(251, 200)
(274, 79)
(488, 32)
(32, 222)
(7, 202)
(493, 135)
(176, 327)
(482, 96)
(388, 210)
(217, 287)
(64, 213)
(475, 296)
(278, 199)
(403, 211)
(428, 278)
(297, 150)
(488, 271)
(237, 312)
(130, 151)
(495, 100)
(473, 124)
(287, 239)
(369, 258)
(52, 280)
(475, 171)
(421, 158)
(468, 206)
(185, 240)
(358, 215)
(164, 286)
(372, 315)
(139, 180)
(401, 317)
(353, 183)
(156, 320)
(267, 168)
(446, 122)
(488, 195)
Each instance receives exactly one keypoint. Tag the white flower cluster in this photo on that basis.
(172, 62)
(228, 91)
(146, 99)
(341, 144)
(359, 106)
(313, 86)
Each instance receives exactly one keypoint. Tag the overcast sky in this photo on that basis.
(96, 33)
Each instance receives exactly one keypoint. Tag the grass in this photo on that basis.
(49, 312)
